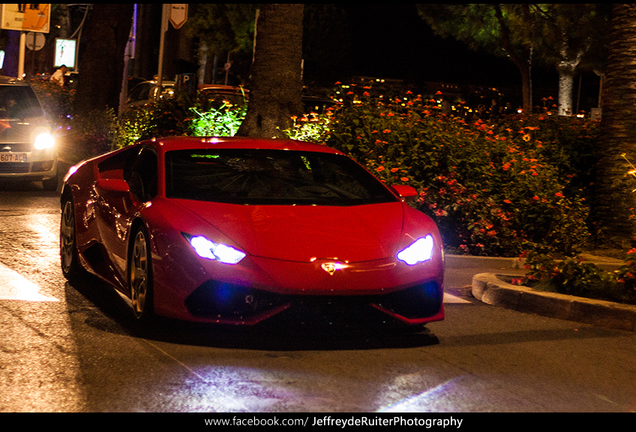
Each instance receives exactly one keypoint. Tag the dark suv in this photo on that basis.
(27, 147)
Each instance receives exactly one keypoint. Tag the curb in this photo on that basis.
(458, 261)
(490, 289)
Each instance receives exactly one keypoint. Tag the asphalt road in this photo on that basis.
(67, 348)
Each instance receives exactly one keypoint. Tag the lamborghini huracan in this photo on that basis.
(245, 230)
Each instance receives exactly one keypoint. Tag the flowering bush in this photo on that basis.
(493, 189)
(626, 274)
(573, 276)
(310, 127)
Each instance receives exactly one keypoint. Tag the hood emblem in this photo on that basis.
(332, 267)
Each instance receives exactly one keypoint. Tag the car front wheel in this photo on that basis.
(71, 267)
(140, 276)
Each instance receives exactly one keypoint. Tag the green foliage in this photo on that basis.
(56, 100)
(164, 117)
(90, 134)
(222, 121)
(573, 276)
(223, 27)
(626, 274)
(310, 128)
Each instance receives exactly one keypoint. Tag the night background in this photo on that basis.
(379, 40)
(392, 41)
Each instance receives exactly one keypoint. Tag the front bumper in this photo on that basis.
(34, 170)
(226, 303)
(258, 289)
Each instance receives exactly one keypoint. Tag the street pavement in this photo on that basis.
(482, 276)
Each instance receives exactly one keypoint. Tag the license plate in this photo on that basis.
(13, 157)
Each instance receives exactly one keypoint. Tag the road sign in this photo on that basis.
(178, 15)
(26, 17)
(35, 41)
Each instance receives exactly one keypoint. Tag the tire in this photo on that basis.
(69, 259)
(140, 277)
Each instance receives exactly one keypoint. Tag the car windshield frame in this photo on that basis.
(19, 102)
(271, 177)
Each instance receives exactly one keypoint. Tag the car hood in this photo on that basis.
(306, 233)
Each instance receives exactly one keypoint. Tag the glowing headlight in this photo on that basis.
(44, 141)
(214, 251)
(419, 251)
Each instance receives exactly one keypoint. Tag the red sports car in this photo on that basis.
(241, 230)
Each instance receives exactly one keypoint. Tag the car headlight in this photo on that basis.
(419, 251)
(215, 251)
(44, 141)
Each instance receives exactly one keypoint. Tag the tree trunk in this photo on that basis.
(566, 83)
(566, 67)
(522, 59)
(526, 87)
(102, 63)
(614, 201)
(275, 83)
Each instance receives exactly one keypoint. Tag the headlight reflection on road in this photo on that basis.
(428, 400)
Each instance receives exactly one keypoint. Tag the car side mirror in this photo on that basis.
(407, 193)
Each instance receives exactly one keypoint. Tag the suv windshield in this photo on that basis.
(18, 102)
(270, 177)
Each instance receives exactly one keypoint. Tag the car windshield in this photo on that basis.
(242, 176)
(18, 102)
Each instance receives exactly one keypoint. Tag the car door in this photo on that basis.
(116, 208)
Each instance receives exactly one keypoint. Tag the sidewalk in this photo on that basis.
(480, 273)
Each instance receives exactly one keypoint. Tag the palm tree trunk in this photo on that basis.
(276, 87)
(566, 84)
(614, 201)
(108, 29)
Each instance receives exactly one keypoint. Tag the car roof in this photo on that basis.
(5, 80)
(182, 143)
(155, 83)
(222, 88)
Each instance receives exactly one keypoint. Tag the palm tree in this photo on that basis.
(275, 82)
(107, 31)
(614, 201)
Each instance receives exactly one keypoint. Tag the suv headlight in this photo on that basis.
(43, 141)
